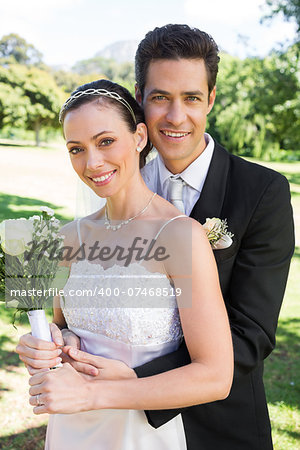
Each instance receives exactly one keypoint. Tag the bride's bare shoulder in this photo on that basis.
(69, 231)
(95, 216)
(176, 228)
(164, 209)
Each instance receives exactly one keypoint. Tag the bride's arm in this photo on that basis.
(206, 328)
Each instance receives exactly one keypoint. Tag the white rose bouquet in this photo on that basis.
(32, 249)
(217, 233)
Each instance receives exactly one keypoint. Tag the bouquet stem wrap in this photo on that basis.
(39, 325)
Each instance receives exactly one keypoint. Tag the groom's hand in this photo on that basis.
(98, 367)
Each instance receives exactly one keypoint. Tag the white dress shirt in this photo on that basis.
(156, 176)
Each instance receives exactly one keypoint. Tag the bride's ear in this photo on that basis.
(141, 135)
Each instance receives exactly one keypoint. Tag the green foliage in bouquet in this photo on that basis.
(31, 251)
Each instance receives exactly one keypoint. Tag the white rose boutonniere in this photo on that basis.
(217, 234)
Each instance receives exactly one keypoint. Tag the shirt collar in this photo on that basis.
(194, 175)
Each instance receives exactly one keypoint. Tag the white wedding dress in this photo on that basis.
(124, 326)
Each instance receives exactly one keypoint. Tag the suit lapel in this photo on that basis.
(212, 196)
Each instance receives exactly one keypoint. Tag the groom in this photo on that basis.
(176, 69)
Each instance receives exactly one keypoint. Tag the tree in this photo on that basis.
(13, 105)
(289, 8)
(257, 108)
(104, 66)
(14, 49)
(69, 81)
(29, 97)
(283, 81)
(100, 67)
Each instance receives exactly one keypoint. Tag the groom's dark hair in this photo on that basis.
(175, 42)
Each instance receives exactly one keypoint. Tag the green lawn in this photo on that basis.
(20, 429)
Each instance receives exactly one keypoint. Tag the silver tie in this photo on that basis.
(175, 192)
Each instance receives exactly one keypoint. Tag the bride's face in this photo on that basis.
(101, 147)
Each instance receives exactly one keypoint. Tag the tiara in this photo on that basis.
(101, 92)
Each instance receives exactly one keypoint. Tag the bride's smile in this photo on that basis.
(103, 178)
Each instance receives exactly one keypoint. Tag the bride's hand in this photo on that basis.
(102, 368)
(38, 355)
(59, 391)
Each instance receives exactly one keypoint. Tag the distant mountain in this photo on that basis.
(121, 51)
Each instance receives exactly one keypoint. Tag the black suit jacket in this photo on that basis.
(253, 273)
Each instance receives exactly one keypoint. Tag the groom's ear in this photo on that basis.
(138, 95)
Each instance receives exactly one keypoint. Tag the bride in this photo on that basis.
(142, 276)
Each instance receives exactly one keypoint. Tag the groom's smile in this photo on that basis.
(175, 136)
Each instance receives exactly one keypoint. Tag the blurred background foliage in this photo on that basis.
(256, 113)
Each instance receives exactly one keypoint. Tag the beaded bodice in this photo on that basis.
(126, 304)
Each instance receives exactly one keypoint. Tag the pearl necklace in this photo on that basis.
(108, 224)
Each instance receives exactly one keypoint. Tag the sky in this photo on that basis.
(66, 31)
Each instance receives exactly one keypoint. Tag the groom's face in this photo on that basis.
(176, 103)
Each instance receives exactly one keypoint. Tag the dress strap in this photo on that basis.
(78, 231)
(166, 223)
